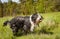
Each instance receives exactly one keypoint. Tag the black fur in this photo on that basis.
(17, 23)
(20, 22)
(34, 17)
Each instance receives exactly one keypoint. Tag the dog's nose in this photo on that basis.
(41, 18)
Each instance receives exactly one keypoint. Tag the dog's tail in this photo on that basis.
(5, 23)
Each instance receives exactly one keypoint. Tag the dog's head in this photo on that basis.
(36, 18)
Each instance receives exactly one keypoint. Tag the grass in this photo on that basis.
(49, 28)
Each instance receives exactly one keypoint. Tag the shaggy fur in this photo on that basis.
(25, 24)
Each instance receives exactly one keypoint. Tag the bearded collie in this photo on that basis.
(26, 23)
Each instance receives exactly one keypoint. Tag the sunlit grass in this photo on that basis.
(51, 23)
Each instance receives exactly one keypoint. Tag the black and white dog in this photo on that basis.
(25, 24)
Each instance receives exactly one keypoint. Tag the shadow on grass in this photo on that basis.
(35, 32)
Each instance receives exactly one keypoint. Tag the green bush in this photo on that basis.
(5, 31)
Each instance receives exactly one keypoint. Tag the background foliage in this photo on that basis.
(28, 7)
(49, 28)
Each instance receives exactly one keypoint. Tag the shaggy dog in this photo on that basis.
(25, 24)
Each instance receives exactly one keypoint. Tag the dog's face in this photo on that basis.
(37, 18)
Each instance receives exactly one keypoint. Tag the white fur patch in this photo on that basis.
(32, 25)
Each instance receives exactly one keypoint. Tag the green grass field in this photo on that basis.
(49, 28)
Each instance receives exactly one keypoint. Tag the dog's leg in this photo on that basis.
(14, 29)
(25, 29)
(32, 28)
